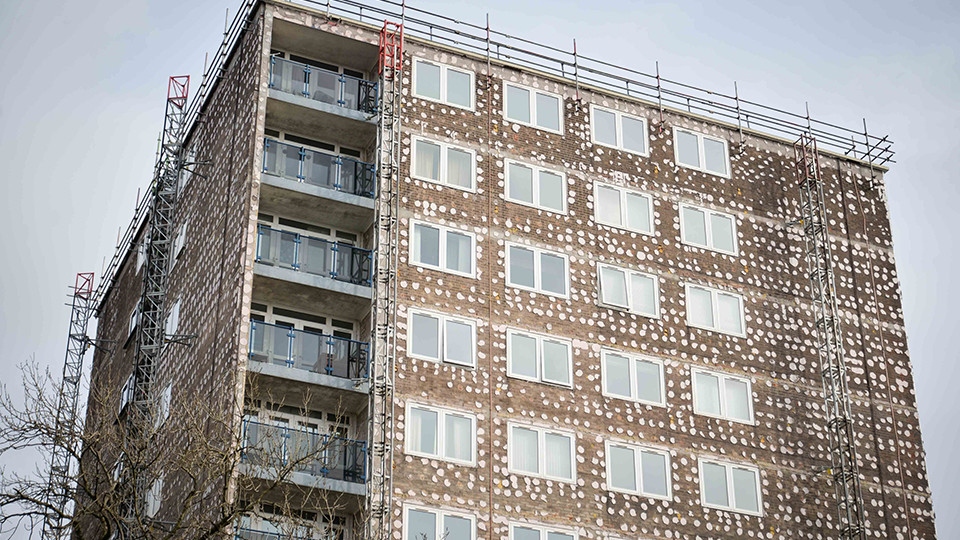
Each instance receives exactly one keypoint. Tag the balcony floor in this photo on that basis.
(314, 204)
(318, 391)
(298, 114)
(310, 293)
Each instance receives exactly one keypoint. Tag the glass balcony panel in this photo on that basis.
(316, 256)
(287, 76)
(324, 86)
(351, 92)
(319, 169)
(308, 351)
(289, 163)
(281, 339)
(311, 352)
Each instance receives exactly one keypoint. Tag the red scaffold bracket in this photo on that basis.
(177, 90)
(83, 287)
(391, 46)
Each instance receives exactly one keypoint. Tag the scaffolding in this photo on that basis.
(151, 325)
(385, 287)
(59, 495)
(843, 471)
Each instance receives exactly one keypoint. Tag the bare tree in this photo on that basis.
(210, 472)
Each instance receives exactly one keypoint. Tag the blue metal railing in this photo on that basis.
(331, 171)
(317, 256)
(309, 351)
(323, 85)
(305, 451)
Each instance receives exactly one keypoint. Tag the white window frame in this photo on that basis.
(544, 530)
(628, 273)
(714, 305)
(141, 253)
(163, 406)
(444, 68)
(439, 514)
(126, 393)
(442, 248)
(702, 155)
(637, 449)
(619, 127)
(442, 413)
(172, 322)
(633, 359)
(541, 451)
(442, 336)
(709, 229)
(134, 320)
(537, 275)
(154, 498)
(540, 338)
(536, 186)
(186, 173)
(723, 395)
(533, 107)
(178, 242)
(623, 208)
(728, 467)
(443, 164)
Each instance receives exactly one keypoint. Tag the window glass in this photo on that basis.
(608, 202)
(623, 471)
(426, 245)
(524, 453)
(617, 379)
(708, 393)
(459, 89)
(700, 307)
(520, 181)
(553, 535)
(553, 273)
(654, 468)
(648, 381)
(643, 289)
(638, 212)
(428, 160)
(523, 355)
(523, 533)
(728, 311)
(458, 168)
(458, 433)
(457, 528)
(634, 134)
(694, 226)
(613, 286)
(715, 484)
(548, 112)
(459, 342)
(721, 230)
(738, 399)
(426, 336)
(428, 80)
(745, 490)
(551, 191)
(421, 525)
(556, 362)
(423, 431)
(688, 149)
(714, 156)
(557, 455)
(518, 104)
(521, 267)
(459, 252)
(605, 127)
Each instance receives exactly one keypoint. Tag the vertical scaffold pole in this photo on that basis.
(150, 334)
(385, 288)
(844, 470)
(60, 487)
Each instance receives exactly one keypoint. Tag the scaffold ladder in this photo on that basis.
(151, 326)
(60, 486)
(385, 287)
(844, 471)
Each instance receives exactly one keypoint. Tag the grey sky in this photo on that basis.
(81, 104)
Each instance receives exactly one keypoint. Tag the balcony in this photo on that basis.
(310, 352)
(314, 459)
(315, 168)
(316, 256)
(322, 85)
(257, 534)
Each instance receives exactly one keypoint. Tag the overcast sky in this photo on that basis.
(81, 103)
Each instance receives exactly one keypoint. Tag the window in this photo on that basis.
(186, 172)
(173, 319)
(443, 249)
(445, 84)
(134, 320)
(442, 434)
(431, 524)
(730, 487)
(126, 393)
(723, 396)
(537, 270)
(538, 358)
(178, 244)
(154, 497)
(536, 187)
(142, 252)
(526, 531)
(715, 310)
(541, 452)
(634, 291)
(708, 229)
(633, 377)
(436, 337)
(618, 130)
(625, 209)
(639, 470)
(443, 164)
(701, 152)
(532, 107)
(163, 406)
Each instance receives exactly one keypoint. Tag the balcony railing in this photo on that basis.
(317, 256)
(323, 85)
(310, 351)
(319, 533)
(304, 451)
(301, 164)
